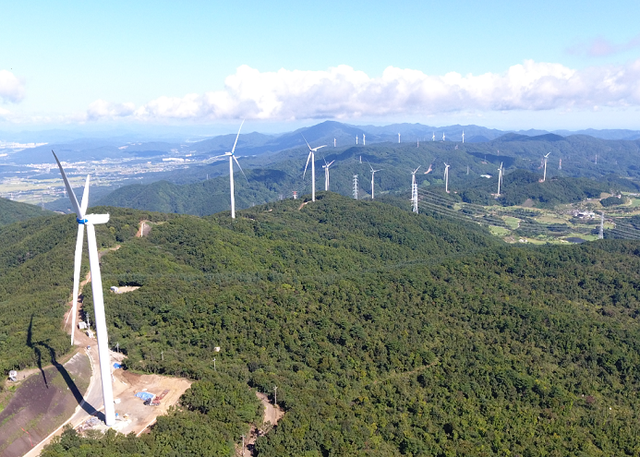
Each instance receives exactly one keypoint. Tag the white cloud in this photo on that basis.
(344, 93)
(11, 87)
(101, 109)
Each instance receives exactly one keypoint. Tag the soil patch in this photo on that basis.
(41, 404)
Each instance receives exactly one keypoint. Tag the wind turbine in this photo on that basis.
(433, 136)
(544, 174)
(89, 220)
(443, 137)
(373, 174)
(463, 137)
(364, 140)
(232, 157)
(312, 157)
(414, 191)
(499, 179)
(326, 174)
(446, 177)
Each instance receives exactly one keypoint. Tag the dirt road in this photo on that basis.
(272, 414)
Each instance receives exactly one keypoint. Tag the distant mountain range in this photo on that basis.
(129, 146)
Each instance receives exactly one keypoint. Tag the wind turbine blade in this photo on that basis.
(77, 263)
(307, 164)
(238, 163)
(85, 197)
(72, 196)
(329, 164)
(305, 140)
(237, 136)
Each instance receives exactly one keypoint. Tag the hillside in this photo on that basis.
(11, 211)
(36, 259)
(386, 333)
(521, 185)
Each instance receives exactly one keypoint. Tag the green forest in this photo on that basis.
(11, 211)
(387, 333)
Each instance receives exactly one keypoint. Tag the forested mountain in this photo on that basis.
(521, 185)
(11, 211)
(387, 333)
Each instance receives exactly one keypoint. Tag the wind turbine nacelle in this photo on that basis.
(97, 218)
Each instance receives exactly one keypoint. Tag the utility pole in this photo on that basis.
(275, 395)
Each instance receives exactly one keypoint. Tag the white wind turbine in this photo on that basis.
(414, 190)
(326, 174)
(373, 174)
(500, 171)
(446, 177)
(89, 220)
(433, 136)
(463, 137)
(398, 138)
(312, 157)
(232, 157)
(443, 137)
(544, 174)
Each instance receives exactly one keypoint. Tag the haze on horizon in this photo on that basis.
(572, 65)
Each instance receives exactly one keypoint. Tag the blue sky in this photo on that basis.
(511, 65)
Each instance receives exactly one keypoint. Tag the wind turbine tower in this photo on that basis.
(312, 157)
(89, 220)
(463, 137)
(443, 137)
(355, 187)
(560, 164)
(433, 136)
(373, 174)
(414, 191)
(334, 142)
(601, 234)
(446, 177)
(544, 173)
(356, 139)
(326, 174)
(364, 140)
(398, 138)
(499, 179)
